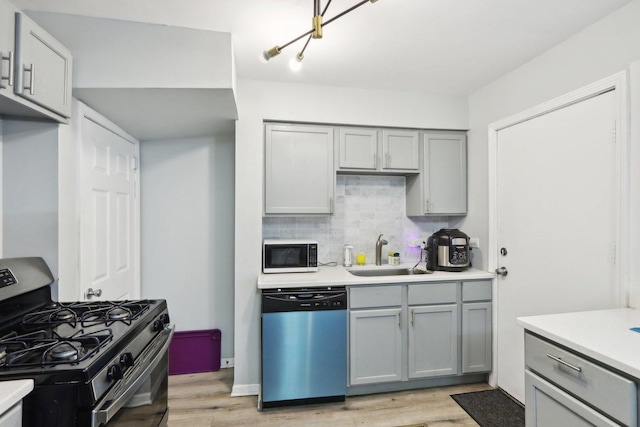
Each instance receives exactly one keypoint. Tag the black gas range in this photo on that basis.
(93, 363)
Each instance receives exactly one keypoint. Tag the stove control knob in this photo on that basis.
(126, 359)
(115, 372)
(161, 322)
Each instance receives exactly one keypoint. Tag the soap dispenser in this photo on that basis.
(348, 262)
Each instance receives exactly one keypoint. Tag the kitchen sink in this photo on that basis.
(382, 272)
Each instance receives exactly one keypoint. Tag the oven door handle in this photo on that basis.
(101, 415)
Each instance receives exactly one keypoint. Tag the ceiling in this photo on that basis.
(444, 46)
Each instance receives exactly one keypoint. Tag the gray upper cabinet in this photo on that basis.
(358, 149)
(441, 187)
(400, 150)
(7, 48)
(299, 173)
(36, 69)
(43, 67)
(385, 151)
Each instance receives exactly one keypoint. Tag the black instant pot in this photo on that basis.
(448, 250)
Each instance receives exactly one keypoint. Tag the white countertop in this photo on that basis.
(11, 392)
(603, 335)
(339, 276)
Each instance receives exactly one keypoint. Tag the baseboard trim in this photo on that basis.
(245, 390)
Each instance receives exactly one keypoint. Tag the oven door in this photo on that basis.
(143, 401)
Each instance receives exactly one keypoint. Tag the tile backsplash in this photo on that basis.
(365, 206)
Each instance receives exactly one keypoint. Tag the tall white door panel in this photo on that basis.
(557, 217)
(109, 223)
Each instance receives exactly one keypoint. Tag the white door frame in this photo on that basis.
(617, 82)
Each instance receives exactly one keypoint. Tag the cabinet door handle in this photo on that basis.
(9, 77)
(426, 206)
(32, 78)
(399, 324)
(413, 317)
(330, 204)
(562, 362)
(375, 161)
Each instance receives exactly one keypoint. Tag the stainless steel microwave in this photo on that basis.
(289, 256)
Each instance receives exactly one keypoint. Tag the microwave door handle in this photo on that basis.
(102, 416)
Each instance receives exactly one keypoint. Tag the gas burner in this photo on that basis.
(36, 349)
(63, 315)
(118, 313)
(52, 315)
(63, 351)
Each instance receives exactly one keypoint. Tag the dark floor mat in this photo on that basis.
(491, 408)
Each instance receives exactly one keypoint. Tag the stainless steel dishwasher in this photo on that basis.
(304, 346)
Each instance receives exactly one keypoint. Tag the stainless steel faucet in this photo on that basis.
(379, 244)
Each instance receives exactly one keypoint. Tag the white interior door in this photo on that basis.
(557, 220)
(109, 219)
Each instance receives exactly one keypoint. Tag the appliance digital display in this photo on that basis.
(7, 278)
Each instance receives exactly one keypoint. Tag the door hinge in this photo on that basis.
(134, 163)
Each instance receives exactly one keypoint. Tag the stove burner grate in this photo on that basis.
(111, 312)
(86, 314)
(37, 349)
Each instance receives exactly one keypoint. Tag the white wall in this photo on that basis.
(258, 101)
(602, 49)
(187, 195)
(30, 191)
(634, 160)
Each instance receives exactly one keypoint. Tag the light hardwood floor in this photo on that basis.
(199, 400)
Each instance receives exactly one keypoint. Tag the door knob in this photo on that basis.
(92, 293)
(502, 271)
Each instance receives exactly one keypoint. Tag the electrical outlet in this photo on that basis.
(474, 242)
(226, 363)
(415, 243)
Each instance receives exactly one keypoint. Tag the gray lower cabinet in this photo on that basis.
(400, 332)
(548, 406)
(563, 388)
(476, 326)
(375, 346)
(433, 343)
(12, 417)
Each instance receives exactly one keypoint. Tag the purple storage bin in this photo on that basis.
(194, 351)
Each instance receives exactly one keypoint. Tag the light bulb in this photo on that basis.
(296, 62)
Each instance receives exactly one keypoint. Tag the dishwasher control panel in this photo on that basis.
(304, 300)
